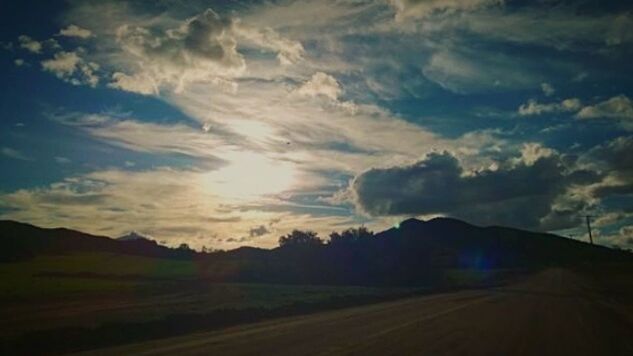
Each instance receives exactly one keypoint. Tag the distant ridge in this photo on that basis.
(20, 241)
(415, 252)
(133, 236)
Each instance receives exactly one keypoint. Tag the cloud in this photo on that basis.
(258, 231)
(464, 70)
(62, 160)
(75, 31)
(15, 154)
(288, 51)
(138, 83)
(30, 44)
(547, 89)
(202, 48)
(19, 62)
(521, 194)
(328, 50)
(532, 152)
(321, 84)
(533, 107)
(189, 207)
(617, 107)
(422, 8)
(623, 238)
(70, 67)
(146, 136)
(563, 27)
(615, 158)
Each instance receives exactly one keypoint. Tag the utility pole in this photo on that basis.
(588, 219)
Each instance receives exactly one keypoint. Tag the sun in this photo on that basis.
(251, 175)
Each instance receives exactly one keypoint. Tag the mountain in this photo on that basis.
(415, 252)
(20, 241)
(418, 252)
(133, 236)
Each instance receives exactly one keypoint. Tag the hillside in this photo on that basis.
(414, 253)
(21, 241)
(419, 253)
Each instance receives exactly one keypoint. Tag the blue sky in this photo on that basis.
(231, 123)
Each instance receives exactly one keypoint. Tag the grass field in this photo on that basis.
(104, 299)
(96, 291)
(64, 276)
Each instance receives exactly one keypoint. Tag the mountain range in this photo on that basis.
(415, 252)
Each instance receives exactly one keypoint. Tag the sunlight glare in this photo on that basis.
(251, 175)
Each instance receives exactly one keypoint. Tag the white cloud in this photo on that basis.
(422, 8)
(617, 107)
(547, 89)
(532, 152)
(63, 64)
(288, 51)
(533, 107)
(19, 62)
(70, 67)
(15, 154)
(184, 62)
(196, 206)
(30, 44)
(321, 84)
(562, 27)
(62, 160)
(75, 31)
(464, 70)
(622, 238)
(137, 83)
(202, 48)
(147, 137)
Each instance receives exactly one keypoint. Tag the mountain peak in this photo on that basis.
(133, 236)
(410, 222)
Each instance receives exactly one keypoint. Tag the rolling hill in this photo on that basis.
(414, 253)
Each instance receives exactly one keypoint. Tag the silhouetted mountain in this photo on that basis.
(19, 241)
(416, 253)
(133, 236)
(413, 253)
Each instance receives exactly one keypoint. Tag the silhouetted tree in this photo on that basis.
(350, 236)
(184, 247)
(300, 238)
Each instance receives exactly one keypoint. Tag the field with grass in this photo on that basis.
(111, 296)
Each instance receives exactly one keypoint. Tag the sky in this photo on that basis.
(230, 123)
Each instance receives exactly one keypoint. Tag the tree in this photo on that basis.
(300, 238)
(350, 236)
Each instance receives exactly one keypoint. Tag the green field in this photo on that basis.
(106, 299)
(89, 291)
(64, 276)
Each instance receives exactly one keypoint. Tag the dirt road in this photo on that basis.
(555, 312)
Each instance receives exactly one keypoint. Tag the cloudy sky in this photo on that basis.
(228, 123)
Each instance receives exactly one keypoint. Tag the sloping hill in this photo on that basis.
(417, 253)
(21, 241)
(451, 242)
(414, 253)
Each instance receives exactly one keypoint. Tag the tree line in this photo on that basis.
(311, 238)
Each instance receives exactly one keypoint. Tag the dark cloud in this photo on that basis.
(615, 158)
(258, 231)
(519, 194)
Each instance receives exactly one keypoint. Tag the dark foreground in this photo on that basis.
(556, 312)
